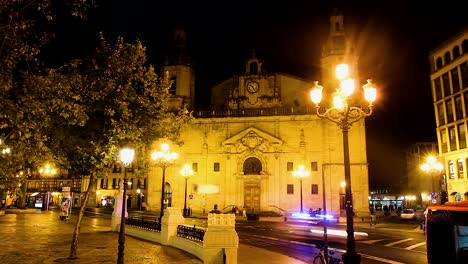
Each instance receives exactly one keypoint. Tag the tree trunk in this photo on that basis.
(76, 233)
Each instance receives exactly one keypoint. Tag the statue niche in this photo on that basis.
(252, 166)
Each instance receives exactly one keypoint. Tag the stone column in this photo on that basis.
(171, 219)
(220, 239)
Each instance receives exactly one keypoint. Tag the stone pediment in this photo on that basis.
(252, 139)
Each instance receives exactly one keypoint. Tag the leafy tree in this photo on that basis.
(23, 113)
(115, 99)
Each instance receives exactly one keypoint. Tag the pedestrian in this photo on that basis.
(215, 210)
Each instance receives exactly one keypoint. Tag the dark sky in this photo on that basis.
(393, 42)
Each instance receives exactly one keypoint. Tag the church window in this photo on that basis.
(290, 189)
(452, 138)
(441, 114)
(449, 111)
(253, 68)
(443, 140)
(314, 166)
(455, 80)
(172, 89)
(195, 167)
(216, 166)
(446, 84)
(289, 166)
(461, 136)
(314, 188)
(456, 52)
(337, 27)
(438, 88)
(464, 74)
(465, 46)
(447, 57)
(458, 108)
(439, 63)
(252, 166)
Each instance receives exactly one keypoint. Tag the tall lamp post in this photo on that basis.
(163, 159)
(433, 168)
(344, 115)
(301, 173)
(186, 172)
(126, 156)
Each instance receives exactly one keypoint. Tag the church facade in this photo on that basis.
(261, 129)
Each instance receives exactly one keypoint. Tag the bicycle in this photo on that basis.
(320, 258)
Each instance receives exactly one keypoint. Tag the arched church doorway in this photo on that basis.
(252, 167)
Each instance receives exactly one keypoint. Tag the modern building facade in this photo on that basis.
(449, 78)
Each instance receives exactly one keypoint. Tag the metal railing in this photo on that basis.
(191, 232)
(148, 224)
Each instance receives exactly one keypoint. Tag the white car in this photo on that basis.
(408, 214)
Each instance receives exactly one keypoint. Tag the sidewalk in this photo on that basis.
(31, 237)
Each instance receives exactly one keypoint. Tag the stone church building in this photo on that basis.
(262, 128)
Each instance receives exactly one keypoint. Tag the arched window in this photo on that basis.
(252, 166)
(456, 52)
(439, 63)
(465, 46)
(447, 58)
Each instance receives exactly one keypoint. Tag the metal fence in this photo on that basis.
(149, 224)
(191, 232)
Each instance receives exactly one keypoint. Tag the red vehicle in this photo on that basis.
(447, 233)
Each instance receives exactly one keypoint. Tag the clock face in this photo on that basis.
(252, 87)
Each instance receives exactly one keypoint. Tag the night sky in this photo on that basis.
(393, 42)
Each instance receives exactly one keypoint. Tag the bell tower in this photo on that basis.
(178, 67)
(337, 49)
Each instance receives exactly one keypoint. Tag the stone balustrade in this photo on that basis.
(220, 242)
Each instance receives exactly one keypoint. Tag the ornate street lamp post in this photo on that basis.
(433, 168)
(186, 172)
(126, 156)
(344, 115)
(301, 173)
(163, 158)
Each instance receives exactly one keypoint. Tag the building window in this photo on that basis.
(437, 89)
(130, 184)
(456, 52)
(195, 167)
(104, 183)
(449, 111)
(464, 74)
(461, 136)
(216, 166)
(115, 183)
(458, 108)
(253, 68)
(314, 188)
(447, 58)
(460, 168)
(117, 169)
(290, 189)
(455, 80)
(443, 141)
(439, 63)
(289, 166)
(441, 114)
(451, 169)
(452, 138)
(314, 166)
(446, 84)
(465, 46)
(252, 166)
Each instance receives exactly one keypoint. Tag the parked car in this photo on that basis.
(408, 214)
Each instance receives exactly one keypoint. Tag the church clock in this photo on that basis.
(252, 87)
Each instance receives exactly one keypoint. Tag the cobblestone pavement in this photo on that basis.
(34, 238)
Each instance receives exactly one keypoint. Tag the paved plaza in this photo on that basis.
(36, 237)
